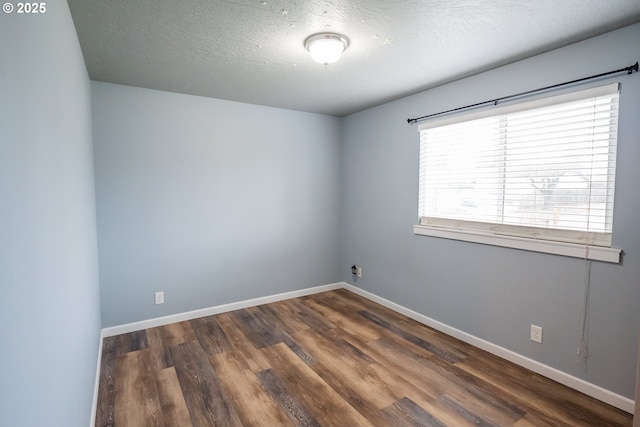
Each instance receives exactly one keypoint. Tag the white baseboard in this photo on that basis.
(575, 383)
(181, 317)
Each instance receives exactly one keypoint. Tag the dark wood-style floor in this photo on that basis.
(330, 359)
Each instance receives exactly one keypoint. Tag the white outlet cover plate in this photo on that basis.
(536, 334)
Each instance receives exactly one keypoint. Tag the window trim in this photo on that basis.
(575, 250)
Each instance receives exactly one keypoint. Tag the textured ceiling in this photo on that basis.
(252, 50)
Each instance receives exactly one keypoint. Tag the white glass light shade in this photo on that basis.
(326, 48)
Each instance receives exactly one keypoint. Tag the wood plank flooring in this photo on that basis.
(329, 359)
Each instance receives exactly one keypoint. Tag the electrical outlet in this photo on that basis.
(536, 334)
(356, 270)
(159, 297)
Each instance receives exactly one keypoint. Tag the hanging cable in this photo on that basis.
(630, 69)
(583, 347)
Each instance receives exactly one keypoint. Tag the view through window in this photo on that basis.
(543, 169)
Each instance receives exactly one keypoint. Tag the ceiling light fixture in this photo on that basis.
(326, 48)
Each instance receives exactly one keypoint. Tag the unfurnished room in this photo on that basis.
(328, 213)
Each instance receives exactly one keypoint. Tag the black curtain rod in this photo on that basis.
(630, 69)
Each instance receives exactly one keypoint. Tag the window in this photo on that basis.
(541, 170)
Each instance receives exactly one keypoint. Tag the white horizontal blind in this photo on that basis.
(543, 169)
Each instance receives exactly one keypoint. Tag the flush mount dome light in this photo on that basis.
(326, 48)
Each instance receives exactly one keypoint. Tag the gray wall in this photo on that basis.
(49, 306)
(490, 292)
(210, 201)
